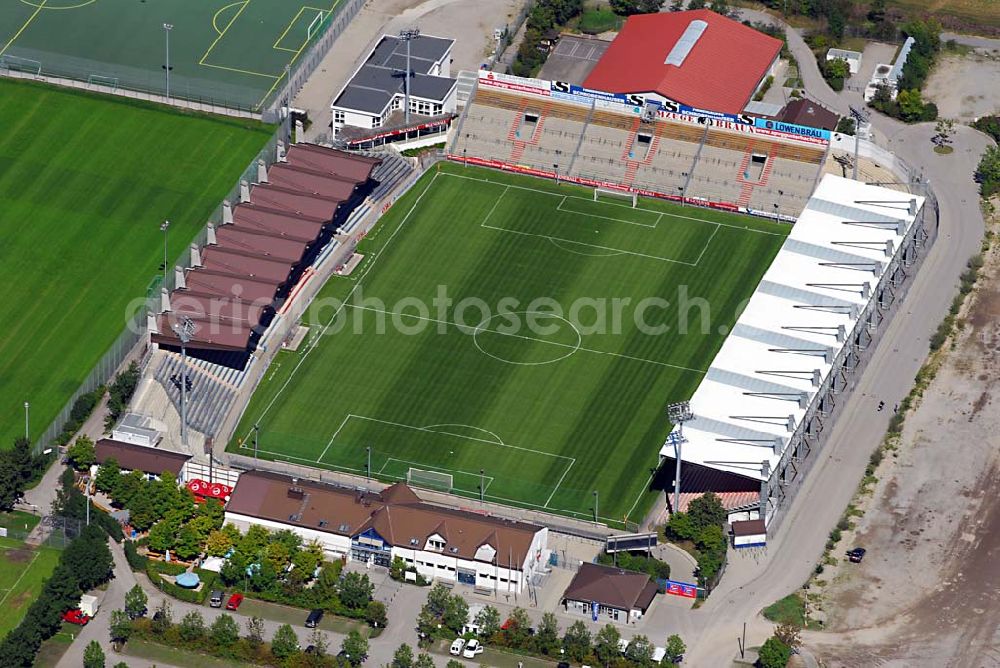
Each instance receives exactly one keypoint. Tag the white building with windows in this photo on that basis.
(482, 551)
(374, 97)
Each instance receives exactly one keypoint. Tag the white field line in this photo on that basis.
(641, 492)
(496, 204)
(624, 206)
(529, 338)
(705, 248)
(330, 442)
(19, 578)
(594, 215)
(556, 488)
(315, 342)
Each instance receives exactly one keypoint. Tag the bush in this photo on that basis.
(208, 582)
(135, 560)
(78, 414)
(638, 563)
(768, 82)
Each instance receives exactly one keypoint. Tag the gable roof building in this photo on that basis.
(697, 58)
(619, 594)
(151, 461)
(363, 525)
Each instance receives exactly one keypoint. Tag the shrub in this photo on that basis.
(135, 560)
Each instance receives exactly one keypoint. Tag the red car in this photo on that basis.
(76, 616)
(234, 601)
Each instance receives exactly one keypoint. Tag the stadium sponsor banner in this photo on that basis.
(510, 82)
(627, 99)
(768, 214)
(797, 131)
(430, 125)
(675, 588)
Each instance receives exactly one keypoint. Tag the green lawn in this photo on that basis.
(22, 572)
(174, 656)
(224, 52)
(85, 182)
(550, 407)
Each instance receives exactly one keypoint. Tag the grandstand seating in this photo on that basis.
(664, 156)
(213, 389)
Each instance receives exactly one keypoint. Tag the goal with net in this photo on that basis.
(316, 25)
(613, 193)
(435, 480)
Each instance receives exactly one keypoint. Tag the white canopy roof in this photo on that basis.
(781, 350)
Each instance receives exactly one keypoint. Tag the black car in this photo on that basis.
(311, 649)
(856, 555)
(313, 619)
(562, 664)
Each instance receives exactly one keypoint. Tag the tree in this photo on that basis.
(356, 590)
(162, 619)
(576, 641)
(988, 172)
(674, 650)
(677, 5)
(107, 476)
(285, 643)
(696, 4)
(547, 637)
(255, 631)
(234, 569)
(218, 543)
(89, 558)
(944, 129)
(319, 640)
(135, 602)
(162, 536)
(192, 627)
(711, 544)
(437, 599)
(375, 614)
(224, 631)
(454, 664)
(355, 648)
(640, 651)
(456, 613)
(788, 634)
(629, 7)
(681, 527)
(488, 621)
(93, 655)
(424, 660)
(126, 488)
(307, 560)
(606, 644)
(518, 625)
(774, 653)
(911, 105)
(120, 626)
(403, 657)
(845, 126)
(11, 486)
(720, 7)
(426, 622)
(187, 545)
(24, 462)
(82, 454)
(397, 568)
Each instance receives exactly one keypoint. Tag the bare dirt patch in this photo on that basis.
(927, 592)
(966, 87)
(16, 556)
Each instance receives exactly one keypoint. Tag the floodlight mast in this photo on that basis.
(407, 36)
(678, 413)
(185, 331)
(860, 116)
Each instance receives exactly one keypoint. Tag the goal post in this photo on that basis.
(435, 480)
(629, 195)
(315, 25)
(14, 63)
(102, 80)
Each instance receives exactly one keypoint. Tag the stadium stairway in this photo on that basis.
(213, 389)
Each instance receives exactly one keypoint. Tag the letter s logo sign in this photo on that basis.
(637, 100)
(560, 86)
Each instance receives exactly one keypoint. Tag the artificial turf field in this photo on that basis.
(231, 53)
(550, 413)
(23, 571)
(85, 183)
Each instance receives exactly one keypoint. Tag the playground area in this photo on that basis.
(232, 54)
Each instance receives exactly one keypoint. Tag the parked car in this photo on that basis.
(856, 555)
(562, 664)
(216, 599)
(234, 601)
(457, 646)
(312, 621)
(472, 649)
(76, 616)
(311, 649)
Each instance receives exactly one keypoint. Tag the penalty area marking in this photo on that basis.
(20, 577)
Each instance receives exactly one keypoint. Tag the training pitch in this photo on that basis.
(23, 571)
(85, 183)
(550, 413)
(224, 52)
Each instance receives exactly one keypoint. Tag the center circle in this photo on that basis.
(522, 346)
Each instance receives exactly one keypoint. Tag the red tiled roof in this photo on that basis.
(719, 74)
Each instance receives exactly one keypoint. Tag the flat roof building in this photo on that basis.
(374, 96)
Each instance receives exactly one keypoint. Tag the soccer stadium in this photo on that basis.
(509, 320)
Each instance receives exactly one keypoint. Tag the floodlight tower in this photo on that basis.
(185, 331)
(408, 36)
(860, 116)
(678, 413)
(167, 27)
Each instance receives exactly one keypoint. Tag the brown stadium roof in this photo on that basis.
(310, 181)
(209, 334)
(396, 513)
(613, 587)
(200, 307)
(239, 240)
(293, 201)
(215, 259)
(347, 165)
(224, 287)
(140, 457)
(265, 220)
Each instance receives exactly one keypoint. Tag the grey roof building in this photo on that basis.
(374, 96)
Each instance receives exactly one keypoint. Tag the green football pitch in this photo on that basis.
(85, 182)
(546, 376)
(230, 53)
(23, 571)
